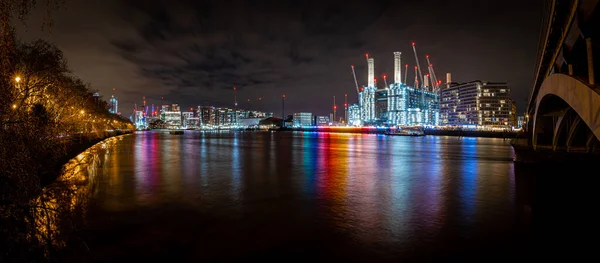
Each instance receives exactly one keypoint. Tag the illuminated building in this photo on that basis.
(354, 115)
(175, 107)
(165, 107)
(477, 103)
(381, 105)
(139, 119)
(207, 115)
(366, 97)
(396, 104)
(302, 119)
(321, 120)
(172, 119)
(410, 106)
(113, 105)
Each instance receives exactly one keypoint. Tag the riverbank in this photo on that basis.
(29, 217)
(74, 146)
(375, 130)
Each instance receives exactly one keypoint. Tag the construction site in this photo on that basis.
(397, 103)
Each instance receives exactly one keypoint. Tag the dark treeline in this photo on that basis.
(46, 113)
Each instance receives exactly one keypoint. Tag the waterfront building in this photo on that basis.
(207, 115)
(354, 115)
(321, 120)
(301, 119)
(175, 107)
(366, 99)
(396, 104)
(476, 103)
(172, 119)
(381, 106)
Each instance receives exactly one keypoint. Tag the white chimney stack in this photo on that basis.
(448, 78)
(371, 64)
(397, 67)
(426, 81)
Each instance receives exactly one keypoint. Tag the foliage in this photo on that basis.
(46, 113)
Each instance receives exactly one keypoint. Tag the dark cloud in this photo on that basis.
(194, 52)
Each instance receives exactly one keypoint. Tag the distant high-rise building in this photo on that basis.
(172, 119)
(207, 115)
(476, 103)
(302, 119)
(165, 107)
(175, 107)
(113, 105)
(96, 98)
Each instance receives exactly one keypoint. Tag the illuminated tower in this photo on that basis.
(367, 95)
(397, 67)
(371, 77)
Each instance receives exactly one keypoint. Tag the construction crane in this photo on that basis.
(416, 78)
(355, 82)
(334, 109)
(418, 64)
(385, 81)
(405, 73)
(434, 81)
(346, 108)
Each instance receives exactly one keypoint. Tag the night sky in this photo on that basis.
(194, 52)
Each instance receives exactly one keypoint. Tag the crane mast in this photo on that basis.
(418, 64)
(355, 82)
(405, 73)
(385, 81)
(434, 80)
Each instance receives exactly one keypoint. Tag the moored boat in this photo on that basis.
(406, 132)
(176, 132)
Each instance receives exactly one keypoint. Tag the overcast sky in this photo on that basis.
(194, 52)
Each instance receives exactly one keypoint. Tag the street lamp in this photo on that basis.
(18, 79)
(14, 106)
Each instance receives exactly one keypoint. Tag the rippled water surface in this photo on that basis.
(303, 196)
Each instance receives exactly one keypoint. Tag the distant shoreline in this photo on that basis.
(458, 133)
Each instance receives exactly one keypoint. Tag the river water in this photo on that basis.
(226, 196)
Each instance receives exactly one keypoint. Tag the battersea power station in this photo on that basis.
(397, 104)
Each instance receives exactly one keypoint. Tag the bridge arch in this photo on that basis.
(562, 97)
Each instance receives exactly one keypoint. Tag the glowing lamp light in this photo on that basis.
(82, 111)
(18, 79)
(413, 43)
(14, 106)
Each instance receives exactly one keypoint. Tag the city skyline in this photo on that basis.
(286, 48)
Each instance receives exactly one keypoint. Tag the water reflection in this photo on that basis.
(61, 207)
(381, 194)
